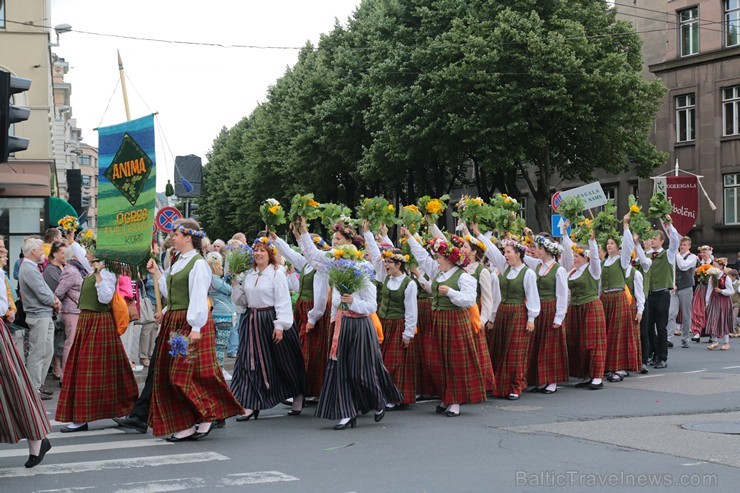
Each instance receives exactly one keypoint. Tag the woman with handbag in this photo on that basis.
(99, 383)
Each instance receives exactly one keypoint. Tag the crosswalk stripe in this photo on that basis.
(135, 462)
(90, 447)
(105, 431)
(256, 478)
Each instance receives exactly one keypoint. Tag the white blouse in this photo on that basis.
(486, 295)
(199, 280)
(266, 289)
(561, 285)
(639, 293)
(107, 286)
(320, 280)
(594, 263)
(4, 303)
(728, 290)
(466, 296)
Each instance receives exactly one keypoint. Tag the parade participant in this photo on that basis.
(719, 306)
(698, 301)
(636, 285)
(68, 291)
(424, 385)
(585, 318)
(398, 314)
(310, 315)
(356, 379)
(22, 414)
(189, 392)
(450, 344)
(99, 383)
(685, 268)
(269, 365)
(514, 325)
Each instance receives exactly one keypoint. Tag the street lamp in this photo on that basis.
(60, 29)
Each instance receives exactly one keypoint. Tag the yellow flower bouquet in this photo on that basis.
(304, 206)
(434, 208)
(272, 213)
(68, 224)
(376, 210)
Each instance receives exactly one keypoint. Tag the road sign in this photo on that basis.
(166, 218)
(592, 194)
(556, 222)
(556, 199)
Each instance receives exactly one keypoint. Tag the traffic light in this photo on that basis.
(10, 114)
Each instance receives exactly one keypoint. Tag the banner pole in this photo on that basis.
(123, 86)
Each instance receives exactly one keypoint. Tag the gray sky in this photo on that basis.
(195, 89)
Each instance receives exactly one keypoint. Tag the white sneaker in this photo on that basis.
(227, 375)
(136, 368)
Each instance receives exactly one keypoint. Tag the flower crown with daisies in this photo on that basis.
(395, 255)
(552, 247)
(189, 231)
(452, 253)
(580, 251)
(264, 240)
(514, 242)
(319, 242)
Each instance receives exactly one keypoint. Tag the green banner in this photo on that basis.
(126, 191)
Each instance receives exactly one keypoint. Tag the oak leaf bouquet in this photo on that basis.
(333, 213)
(411, 218)
(376, 210)
(304, 206)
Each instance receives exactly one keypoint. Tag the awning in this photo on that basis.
(59, 208)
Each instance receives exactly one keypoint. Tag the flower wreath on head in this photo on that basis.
(552, 247)
(264, 240)
(580, 251)
(706, 248)
(457, 241)
(474, 241)
(189, 231)
(452, 253)
(514, 242)
(344, 228)
(388, 254)
(319, 242)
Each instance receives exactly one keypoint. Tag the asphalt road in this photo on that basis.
(627, 437)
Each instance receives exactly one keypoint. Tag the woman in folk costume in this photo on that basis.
(636, 284)
(189, 392)
(622, 341)
(548, 357)
(719, 306)
(356, 379)
(699, 301)
(98, 381)
(22, 415)
(310, 315)
(514, 325)
(450, 344)
(398, 316)
(585, 319)
(269, 365)
(424, 385)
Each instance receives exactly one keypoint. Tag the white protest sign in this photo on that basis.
(592, 194)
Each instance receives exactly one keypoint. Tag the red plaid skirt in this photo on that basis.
(548, 356)
(699, 310)
(510, 354)
(399, 361)
(622, 335)
(98, 381)
(188, 390)
(484, 356)
(452, 355)
(314, 345)
(424, 384)
(586, 335)
(719, 316)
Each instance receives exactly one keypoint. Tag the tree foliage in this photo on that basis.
(415, 97)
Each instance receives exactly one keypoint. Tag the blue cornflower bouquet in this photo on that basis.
(347, 270)
(239, 259)
(179, 345)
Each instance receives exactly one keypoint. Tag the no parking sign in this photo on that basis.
(166, 218)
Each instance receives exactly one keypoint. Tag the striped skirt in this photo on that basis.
(719, 316)
(424, 384)
(399, 360)
(586, 337)
(266, 373)
(510, 350)
(451, 352)
(699, 310)
(622, 335)
(357, 381)
(22, 415)
(548, 354)
(98, 381)
(314, 345)
(188, 390)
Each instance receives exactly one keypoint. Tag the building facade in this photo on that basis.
(88, 163)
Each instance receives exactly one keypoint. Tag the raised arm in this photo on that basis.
(295, 258)
(628, 245)
(493, 253)
(594, 262)
(376, 258)
(427, 263)
(674, 239)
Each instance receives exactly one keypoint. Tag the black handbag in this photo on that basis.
(20, 318)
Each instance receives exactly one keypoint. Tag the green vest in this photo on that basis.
(89, 297)
(392, 305)
(444, 303)
(476, 275)
(512, 290)
(178, 287)
(583, 290)
(612, 276)
(421, 294)
(305, 285)
(661, 276)
(546, 284)
(645, 280)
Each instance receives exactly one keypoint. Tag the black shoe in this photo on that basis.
(652, 362)
(294, 412)
(513, 397)
(351, 423)
(220, 423)
(548, 391)
(670, 344)
(696, 338)
(379, 416)
(643, 369)
(67, 429)
(198, 434)
(615, 377)
(173, 439)
(661, 365)
(35, 460)
(684, 344)
(583, 385)
(46, 390)
(132, 422)
(595, 386)
(450, 414)
(253, 414)
(440, 409)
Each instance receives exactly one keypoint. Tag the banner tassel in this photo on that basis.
(706, 195)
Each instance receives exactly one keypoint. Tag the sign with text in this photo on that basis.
(592, 194)
(683, 192)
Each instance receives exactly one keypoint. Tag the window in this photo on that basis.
(610, 193)
(635, 190)
(523, 210)
(731, 110)
(732, 22)
(731, 184)
(85, 200)
(685, 114)
(2, 14)
(86, 180)
(87, 160)
(689, 31)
